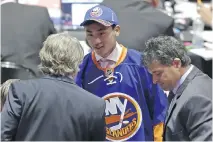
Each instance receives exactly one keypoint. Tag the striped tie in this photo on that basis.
(170, 97)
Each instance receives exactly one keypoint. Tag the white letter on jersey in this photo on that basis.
(112, 104)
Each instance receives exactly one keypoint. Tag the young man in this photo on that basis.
(135, 108)
(189, 116)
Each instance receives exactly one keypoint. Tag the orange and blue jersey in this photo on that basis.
(135, 107)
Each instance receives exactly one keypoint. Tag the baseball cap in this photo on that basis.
(101, 14)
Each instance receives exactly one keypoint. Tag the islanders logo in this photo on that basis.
(122, 115)
(96, 12)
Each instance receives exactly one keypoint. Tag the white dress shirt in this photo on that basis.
(182, 79)
(111, 59)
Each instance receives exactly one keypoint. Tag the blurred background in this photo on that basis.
(190, 25)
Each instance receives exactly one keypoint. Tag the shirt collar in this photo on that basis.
(114, 56)
(182, 79)
(7, 1)
(68, 79)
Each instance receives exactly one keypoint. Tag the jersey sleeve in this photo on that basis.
(160, 108)
(156, 102)
(80, 76)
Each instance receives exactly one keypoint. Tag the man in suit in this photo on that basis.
(23, 28)
(140, 20)
(54, 108)
(189, 117)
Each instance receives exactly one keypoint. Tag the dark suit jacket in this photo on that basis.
(23, 31)
(52, 109)
(139, 21)
(189, 115)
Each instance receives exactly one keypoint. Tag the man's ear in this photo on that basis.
(176, 63)
(117, 30)
(155, 3)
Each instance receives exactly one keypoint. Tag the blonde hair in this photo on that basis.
(61, 54)
(5, 90)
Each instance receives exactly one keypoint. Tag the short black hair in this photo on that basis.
(89, 22)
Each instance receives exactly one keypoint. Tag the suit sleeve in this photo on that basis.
(169, 31)
(160, 108)
(50, 25)
(98, 130)
(10, 115)
(198, 114)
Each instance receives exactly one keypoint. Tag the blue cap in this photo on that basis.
(101, 14)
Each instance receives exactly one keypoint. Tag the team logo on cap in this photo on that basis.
(123, 116)
(96, 12)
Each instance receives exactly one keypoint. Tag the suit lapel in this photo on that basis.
(180, 90)
(170, 110)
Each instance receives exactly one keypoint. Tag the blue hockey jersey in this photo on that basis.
(134, 105)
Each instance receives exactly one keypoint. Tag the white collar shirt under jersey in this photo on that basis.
(114, 57)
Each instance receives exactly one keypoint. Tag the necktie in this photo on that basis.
(106, 63)
(170, 97)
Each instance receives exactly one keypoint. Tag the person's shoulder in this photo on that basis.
(157, 14)
(25, 89)
(162, 14)
(134, 52)
(87, 58)
(91, 101)
(32, 6)
(197, 85)
(27, 84)
(34, 9)
(134, 56)
(201, 84)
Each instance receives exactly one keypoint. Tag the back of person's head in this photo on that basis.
(61, 55)
(5, 90)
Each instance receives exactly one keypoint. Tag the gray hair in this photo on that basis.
(165, 49)
(61, 55)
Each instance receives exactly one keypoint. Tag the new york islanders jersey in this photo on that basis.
(134, 105)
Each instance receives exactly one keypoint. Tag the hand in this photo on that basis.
(205, 13)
